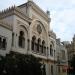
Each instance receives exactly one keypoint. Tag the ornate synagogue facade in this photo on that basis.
(26, 29)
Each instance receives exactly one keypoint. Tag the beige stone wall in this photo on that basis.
(28, 25)
(20, 25)
(23, 8)
(9, 20)
(62, 57)
(8, 35)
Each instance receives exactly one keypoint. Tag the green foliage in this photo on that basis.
(72, 63)
(19, 64)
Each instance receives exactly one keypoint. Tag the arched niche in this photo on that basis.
(38, 29)
(22, 36)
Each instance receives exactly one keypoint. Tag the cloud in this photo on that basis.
(62, 15)
(7, 3)
(63, 23)
(63, 18)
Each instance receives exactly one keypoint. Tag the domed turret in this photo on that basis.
(48, 13)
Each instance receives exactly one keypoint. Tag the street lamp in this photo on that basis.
(42, 68)
(4, 71)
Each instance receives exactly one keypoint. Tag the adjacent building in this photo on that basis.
(26, 29)
(71, 49)
(62, 60)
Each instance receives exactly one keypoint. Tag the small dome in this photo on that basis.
(48, 12)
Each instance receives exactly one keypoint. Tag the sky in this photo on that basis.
(62, 13)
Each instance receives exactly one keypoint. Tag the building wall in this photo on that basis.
(71, 49)
(62, 61)
(9, 20)
(6, 34)
(35, 23)
(20, 25)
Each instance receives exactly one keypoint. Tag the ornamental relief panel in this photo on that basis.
(23, 24)
(39, 31)
(37, 28)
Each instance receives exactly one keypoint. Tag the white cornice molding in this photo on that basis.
(17, 11)
(39, 10)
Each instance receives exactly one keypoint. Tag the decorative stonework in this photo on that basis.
(14, 11)
(52, 34)
(39, 29)
(38, 10)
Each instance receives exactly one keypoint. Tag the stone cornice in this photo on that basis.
(17, 11)
(38, 10)
(5, 25)
(14, 11)
(23, 5)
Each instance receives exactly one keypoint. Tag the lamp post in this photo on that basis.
(42, 69)
(4, 72)
(42, 66)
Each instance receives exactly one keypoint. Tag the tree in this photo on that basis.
(19, 64)
(72, 64)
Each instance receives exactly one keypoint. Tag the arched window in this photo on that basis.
(0, 42)
(51, 50)
(21, 40)
(4, 43)
(43, 43)
(38, 45)
(33, 42)
(12, 39)
(28, 44)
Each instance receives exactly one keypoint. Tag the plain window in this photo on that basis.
(43, 43)
(4, 44)
(51, 50)
(0, 42)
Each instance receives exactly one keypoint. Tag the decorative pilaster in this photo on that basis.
(29, 8)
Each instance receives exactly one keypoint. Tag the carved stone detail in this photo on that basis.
(39, 29)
